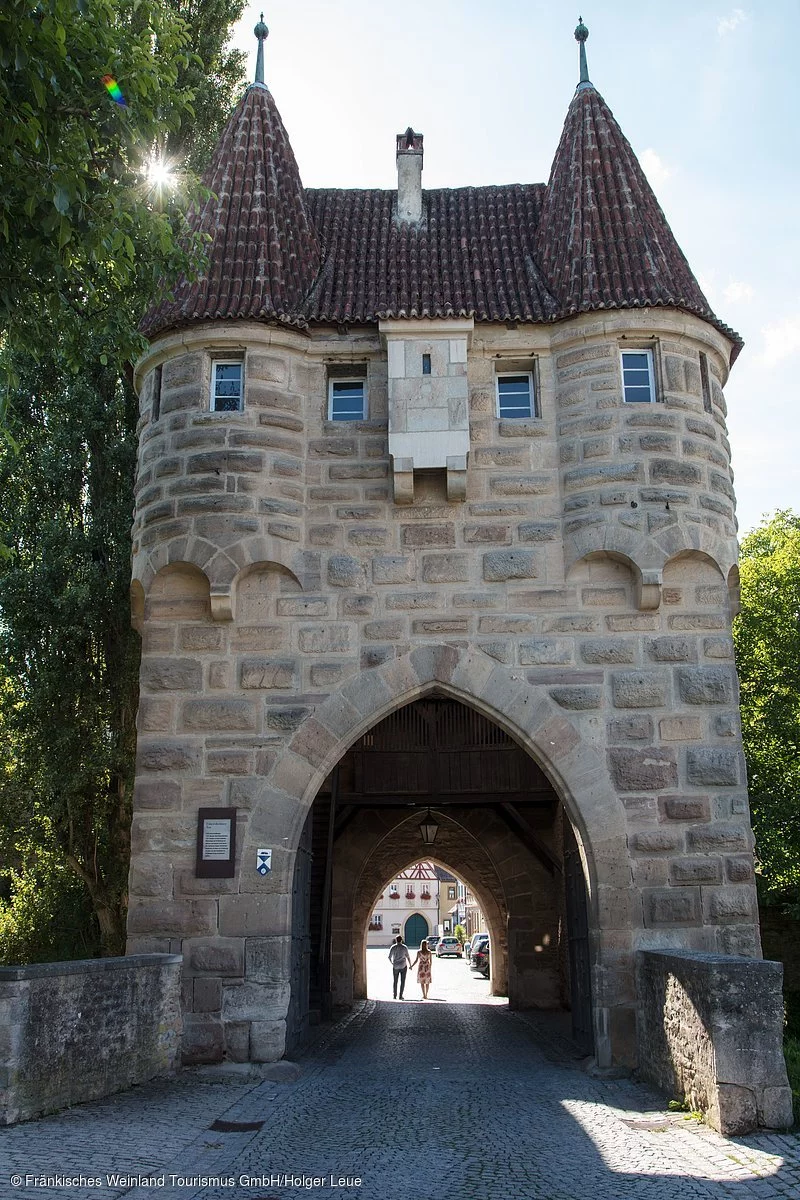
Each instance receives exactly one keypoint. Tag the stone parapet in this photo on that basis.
(77, 1031)
(710, 1032)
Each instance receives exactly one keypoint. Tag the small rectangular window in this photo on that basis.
(426, 364)
(515, 395)
(347, 400)
(226, 386)
(638, 381)
(705, 382)
(155, 409)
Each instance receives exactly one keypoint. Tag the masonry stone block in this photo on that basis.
(215, 956)
(706, 685)
(578, 699)
(200, 715)
(672, 649)
(324, 639)
(171, 674)
(428, 535)
(636, 728)
(167, 755)
(268, 959)
(268, 674)
(695, 870)
(706, 766)
(685, 808)
(672, 906)
(267, 1040)
(656, 841)
(681, 729)
(285, 718)
(501, 565)
(718, 838)
(739, 869)
(445, 568)
(638, 689)
(612, 651)
(393, 569)
(344, 571)
(543, 651)
(650, 769)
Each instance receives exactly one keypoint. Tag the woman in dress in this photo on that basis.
(424, 958)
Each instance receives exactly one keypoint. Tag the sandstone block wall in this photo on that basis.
(711, 1033)
(76, 1031)
(583, 585)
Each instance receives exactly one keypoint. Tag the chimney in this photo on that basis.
(409, 176)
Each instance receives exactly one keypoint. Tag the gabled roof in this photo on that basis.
(470, 255)
(594, 237)
(265, 253)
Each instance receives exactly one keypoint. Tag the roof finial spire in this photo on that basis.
(581, 34)
(262, 33)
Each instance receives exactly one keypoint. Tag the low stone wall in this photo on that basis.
(76, 1031)
(710, 1032)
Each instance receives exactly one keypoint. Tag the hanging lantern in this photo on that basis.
(429, 829)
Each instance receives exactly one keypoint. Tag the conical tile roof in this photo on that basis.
(593, 238)
(603, 240)
(264, 253)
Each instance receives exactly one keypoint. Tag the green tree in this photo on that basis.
(78, 226)
(767, 637)
(68, 706)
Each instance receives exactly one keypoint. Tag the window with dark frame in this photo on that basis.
(226, 386)
(426, 364)
(705, 382)
(515, 398)
(155, 408)
(347, 400)
(638, 378)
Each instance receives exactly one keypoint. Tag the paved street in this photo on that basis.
(455, 1095)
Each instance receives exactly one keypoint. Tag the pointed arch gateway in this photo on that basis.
(572, 766)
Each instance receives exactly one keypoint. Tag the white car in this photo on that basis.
(448, 945)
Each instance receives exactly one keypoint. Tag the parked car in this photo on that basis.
(480, 959)
(476, 942)
(448, 945)
(433, 942)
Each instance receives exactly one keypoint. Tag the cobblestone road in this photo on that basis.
(455, 1096)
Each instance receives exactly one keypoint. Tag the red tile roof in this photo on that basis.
(264, 254)
(471, 254)
(593, 238)
(603, 241)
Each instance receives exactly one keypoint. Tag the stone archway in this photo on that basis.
(539, 725)
(389, 853)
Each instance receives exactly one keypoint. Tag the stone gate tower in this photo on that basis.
(434, 483)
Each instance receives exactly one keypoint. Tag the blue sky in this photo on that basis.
(705, 93)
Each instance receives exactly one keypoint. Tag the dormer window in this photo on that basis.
(515, 398)
(226, 385)
(347, 400)
(638, 377)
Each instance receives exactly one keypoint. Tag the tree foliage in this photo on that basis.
(82, 242)
(79, 225)
(767, 636)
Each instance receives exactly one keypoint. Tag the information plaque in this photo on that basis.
(216, 843)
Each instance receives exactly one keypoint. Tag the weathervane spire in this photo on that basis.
(581, 34)
(262, 33)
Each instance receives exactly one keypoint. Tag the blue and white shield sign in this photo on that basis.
(263, 861)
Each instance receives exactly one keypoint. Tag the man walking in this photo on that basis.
(400, 959)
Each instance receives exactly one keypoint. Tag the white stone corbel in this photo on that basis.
(648, 589)
(403, 480)
(456, 476)
(222, 604)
